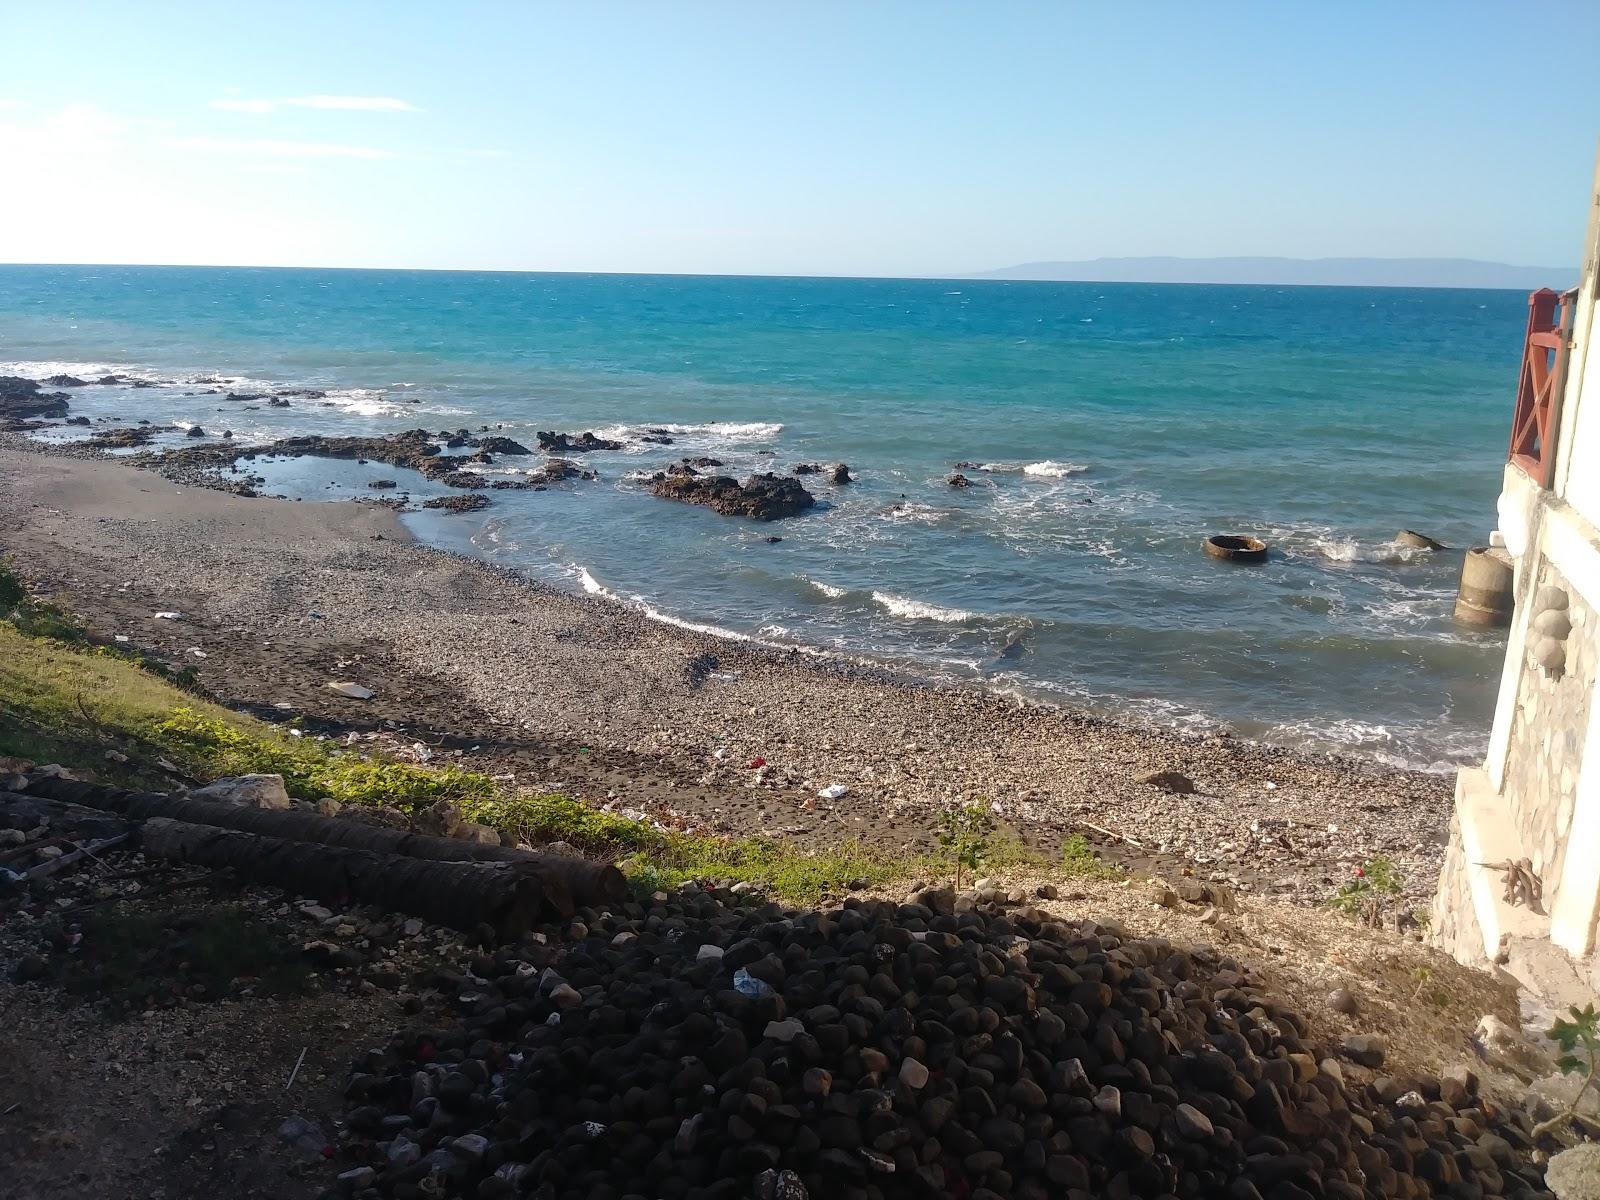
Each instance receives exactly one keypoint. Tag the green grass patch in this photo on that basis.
(67, 701)
(1079, 861)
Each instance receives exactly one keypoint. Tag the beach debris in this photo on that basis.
(169, 616)
(1169, 781)
(834, 791)
(1419, 541)
(1236, 547)
(353, 690)
(254, 791)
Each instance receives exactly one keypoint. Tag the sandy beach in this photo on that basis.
(581, 694)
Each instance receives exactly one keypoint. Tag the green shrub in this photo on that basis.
(1079, 861)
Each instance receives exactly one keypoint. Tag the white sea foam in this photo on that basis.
(1348, 550)
(831, 590)
(655, 614)
(900, 606)
(910, 510)
(592, 585)
(1050, 469)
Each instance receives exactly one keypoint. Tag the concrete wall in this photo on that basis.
(1537, 795)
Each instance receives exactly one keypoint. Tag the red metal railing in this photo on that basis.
(1544, 363)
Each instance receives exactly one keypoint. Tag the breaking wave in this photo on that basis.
(900, 606)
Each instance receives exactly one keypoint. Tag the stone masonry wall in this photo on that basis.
(1552, 716)
(1454, 927)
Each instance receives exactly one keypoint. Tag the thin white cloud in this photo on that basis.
(353, 103)
(271, 148)
(244, 106)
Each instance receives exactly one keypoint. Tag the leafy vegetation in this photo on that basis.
(963, 835)
(1370, 889)
(1079, 861)
(1579, 1041)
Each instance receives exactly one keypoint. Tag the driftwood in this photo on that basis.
(506, 896)
(51, 866)
(568, 882)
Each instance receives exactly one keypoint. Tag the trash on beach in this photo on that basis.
(757, 762)
(121, 637)
(834, 791)
(197, 652)
(353, 690)
(719, 754)
(169, 616)
(747, 984)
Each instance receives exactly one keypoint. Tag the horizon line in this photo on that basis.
(987, 277)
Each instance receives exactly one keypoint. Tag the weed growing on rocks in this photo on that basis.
(963, 835)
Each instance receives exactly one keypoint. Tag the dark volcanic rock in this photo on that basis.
(21, 400)
(566, 443)
(882, 1051)
(959, 480)
(501, 445)
(458, 504)
(123, 439)
(65, 381)
(194, 431)
(763, 497)
(841, 474)
(808, 468)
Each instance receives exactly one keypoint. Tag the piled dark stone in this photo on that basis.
(762, 497)
(471, 502)
(878, 1051)
(567, 443)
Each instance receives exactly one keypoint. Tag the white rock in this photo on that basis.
(708, 951)
(49, 852)
(254, 791)
(1575, 1174)
(353, 690)
(169, 616)
(913, 1074)
(834, 791)
(785, 1030)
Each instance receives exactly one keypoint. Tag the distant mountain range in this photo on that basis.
(1339, 272)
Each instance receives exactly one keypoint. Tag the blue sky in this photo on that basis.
(829, 138)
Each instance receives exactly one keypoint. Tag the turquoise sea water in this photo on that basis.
(1120, 424)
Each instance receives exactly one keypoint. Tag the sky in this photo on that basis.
(881, 138)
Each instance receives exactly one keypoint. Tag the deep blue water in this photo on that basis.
(1323, 419)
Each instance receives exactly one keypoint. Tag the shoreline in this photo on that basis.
(588, 695)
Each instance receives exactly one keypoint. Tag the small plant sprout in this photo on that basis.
(1368, 891)
(1579, 1040)
(963, 834)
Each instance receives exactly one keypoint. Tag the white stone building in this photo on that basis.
(1521, 881)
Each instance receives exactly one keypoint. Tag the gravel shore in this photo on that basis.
(584, 694)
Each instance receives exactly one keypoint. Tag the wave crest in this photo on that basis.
(920, 610)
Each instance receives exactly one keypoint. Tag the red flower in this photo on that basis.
(1360, 872)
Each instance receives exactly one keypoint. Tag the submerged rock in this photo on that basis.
(566, 443)
(21, 400)
(762, 497)
(471, 502)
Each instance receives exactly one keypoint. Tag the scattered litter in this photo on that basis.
(169, 616)
(834, 791)
(757, 762)
(747, 984)
(121, 637)
(353, 690)
(197, 652)
(298, 1063)
(719, 754)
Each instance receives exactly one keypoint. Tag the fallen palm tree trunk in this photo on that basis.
(569, 882)
(507, 896)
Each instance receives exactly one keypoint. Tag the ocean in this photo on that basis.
(1114, 427)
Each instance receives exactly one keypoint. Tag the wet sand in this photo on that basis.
(581, 694)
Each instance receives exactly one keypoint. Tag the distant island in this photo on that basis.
(1338, 272)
